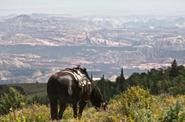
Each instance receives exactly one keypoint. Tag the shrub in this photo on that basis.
(11, 100)
(33, 113)
(132, 103)
(40, 99)
(174, 115)
(135, 97)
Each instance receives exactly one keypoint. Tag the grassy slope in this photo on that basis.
(30, 88)
(134, 105)
(34, 88)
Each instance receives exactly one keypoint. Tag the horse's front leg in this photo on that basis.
(82, 105)
(63, 106)
(75, 110)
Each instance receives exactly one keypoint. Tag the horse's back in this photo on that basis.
(62, 86)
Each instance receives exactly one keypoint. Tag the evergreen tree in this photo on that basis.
(91, 76)
(102, 78)
(101, 84)
(108, 88)
(121, 84)
(174, 69)
(134, 79)
(122, 74)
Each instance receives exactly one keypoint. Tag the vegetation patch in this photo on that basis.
(133, 105)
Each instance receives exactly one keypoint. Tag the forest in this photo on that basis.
(169, 81)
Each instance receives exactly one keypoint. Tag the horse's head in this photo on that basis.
(96, 97)
(104, 105)
(98, 100)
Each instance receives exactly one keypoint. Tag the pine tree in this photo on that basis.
(91, 76)
(122, 74)
(174, 69)
(121, 84)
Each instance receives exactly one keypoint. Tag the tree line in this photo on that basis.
(169, 80)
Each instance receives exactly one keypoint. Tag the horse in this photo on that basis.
(63, 89)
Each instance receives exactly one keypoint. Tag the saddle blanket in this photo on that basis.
(80, 77)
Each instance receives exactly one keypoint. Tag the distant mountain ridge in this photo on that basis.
(48, 43)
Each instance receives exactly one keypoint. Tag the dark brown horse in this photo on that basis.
(63, 89)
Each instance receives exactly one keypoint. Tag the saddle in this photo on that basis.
(79, 76)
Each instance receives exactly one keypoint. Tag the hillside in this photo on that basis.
(136, 104)
(28, 89)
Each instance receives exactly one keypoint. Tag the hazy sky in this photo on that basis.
(78, 7)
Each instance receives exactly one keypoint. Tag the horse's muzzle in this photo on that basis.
(104, 106)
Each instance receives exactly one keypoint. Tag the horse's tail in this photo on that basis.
(52, 92)
(51, 86)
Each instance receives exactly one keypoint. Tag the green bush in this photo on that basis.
(132, 105)
(173, 114)
(11, 100)
(176, 90)
(32, 113)
(135, 97)
(39, 99)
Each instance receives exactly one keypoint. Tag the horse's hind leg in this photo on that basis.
(62, 109)
(75, 110)
(53, 108)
